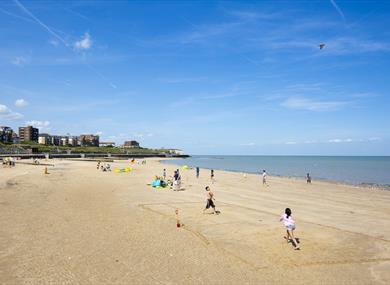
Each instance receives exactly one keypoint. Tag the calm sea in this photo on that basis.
(346, 169)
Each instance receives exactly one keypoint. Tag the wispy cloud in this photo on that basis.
(354, 45)
(340, 140)
(39, 22)
(300, 103)
(54, 42)
(8, 114)
(16, 16)
(374, 139)
(19, 61)
(77, 14)
(250, 15)
(338, 9)
(248, 144)
(84, 43)
(141, 135)
(182, 79)
(21, 103)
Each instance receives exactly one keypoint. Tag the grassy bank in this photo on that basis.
(37, 148)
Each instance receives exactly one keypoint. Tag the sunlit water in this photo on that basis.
(346, 169)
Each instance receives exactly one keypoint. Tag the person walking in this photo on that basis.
(264, 178)
(212, 175)
(209, 200)
(164, 173)
(176, 174)
(308, 178)
(197, 172)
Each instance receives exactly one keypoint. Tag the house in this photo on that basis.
(131, 144)
(106, 144)
(89, 140)
(44, 139)
(176, 151)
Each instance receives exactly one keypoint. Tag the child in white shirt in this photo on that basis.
(289, 223)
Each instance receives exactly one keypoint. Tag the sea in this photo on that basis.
(356, 170)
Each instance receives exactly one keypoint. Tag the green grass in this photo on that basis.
(85, 149)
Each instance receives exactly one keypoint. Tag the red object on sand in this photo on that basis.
(177, 218)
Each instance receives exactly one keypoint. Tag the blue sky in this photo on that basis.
(206, 77)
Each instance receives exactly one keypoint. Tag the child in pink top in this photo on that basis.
(290, 227)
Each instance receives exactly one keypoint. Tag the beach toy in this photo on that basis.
(117, 170)
(186, 167)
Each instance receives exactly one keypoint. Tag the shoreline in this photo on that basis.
(81, 225)
(363, 185)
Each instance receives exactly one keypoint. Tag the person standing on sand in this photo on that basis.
(164, 173)
(265, 178)
(308, 178)
(176, 174)
(289, 223)
(197, 172)
(210, 200)
(212, 175)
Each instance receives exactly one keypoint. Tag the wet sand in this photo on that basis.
(78, 225)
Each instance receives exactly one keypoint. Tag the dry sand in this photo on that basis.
(79, 225)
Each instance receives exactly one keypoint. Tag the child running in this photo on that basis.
(290, 227)
(210, 198)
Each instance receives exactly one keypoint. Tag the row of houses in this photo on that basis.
(30, 134)
(25, 134)
(82, 140)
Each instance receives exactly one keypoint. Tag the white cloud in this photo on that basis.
(8, 114)
(374, 139)
(300, 103)
(19, 61)
(21, 103)
(291, 142)
(99, 133)
(248, 144)
(83, 44)
(340, 140)
(41, 125)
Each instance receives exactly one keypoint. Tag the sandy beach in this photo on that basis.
(78, 225)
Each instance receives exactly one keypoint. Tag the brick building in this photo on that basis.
(131, 144)
(28, 134)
